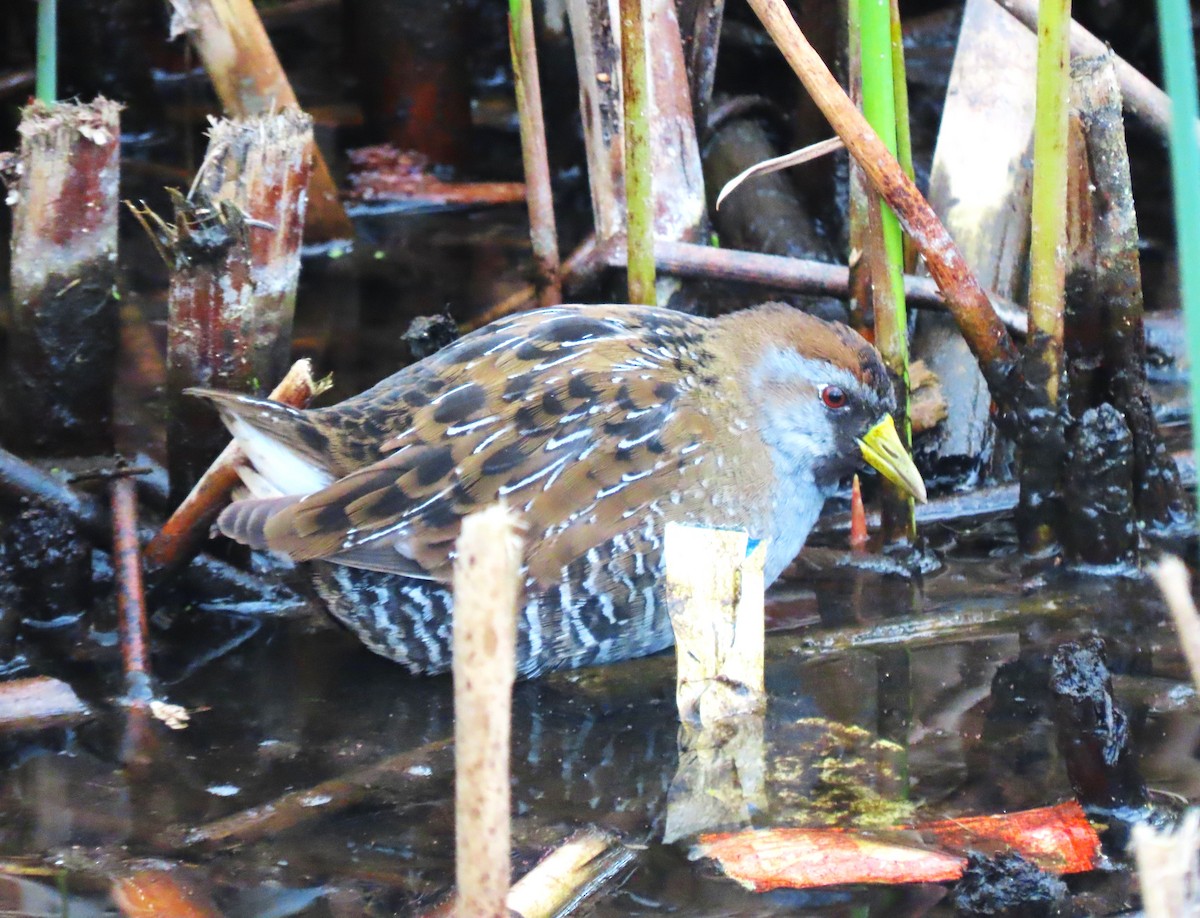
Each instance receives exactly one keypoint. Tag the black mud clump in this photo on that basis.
(1008, 884)
(1101, 528)
(46, 566)
(426, 335)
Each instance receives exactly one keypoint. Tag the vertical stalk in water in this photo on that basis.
(891, 321)
(543, 233)
(639, 189)
(1041, 439)
(1179, 70)
(904, 153)
(47, 51)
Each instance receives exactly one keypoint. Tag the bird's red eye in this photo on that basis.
(833, 396)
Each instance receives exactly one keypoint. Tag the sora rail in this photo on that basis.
(600, 424)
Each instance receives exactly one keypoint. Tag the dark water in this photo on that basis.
(881, 709)
(297, 704)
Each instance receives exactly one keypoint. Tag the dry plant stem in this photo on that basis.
(705, 36)
(412, 768)
(679, 210)
(569, 874)
(1168, 872)
(639, 178)
(31, 704)
(981, 327)
(715, 597)
(63, 321)
(1038, 514)
(1115, 290)
(487, 587)
(155, 891)
(543, 232)
(796, 275)
(1142, 98)
(131, 598)
(1175, 583)
(249, 80)
(182, 535)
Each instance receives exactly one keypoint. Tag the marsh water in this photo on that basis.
(893, 699)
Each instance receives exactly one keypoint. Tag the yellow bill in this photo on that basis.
(882, 449)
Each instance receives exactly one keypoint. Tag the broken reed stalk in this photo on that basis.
(1167, 866)
(639, 179)
(705, 39)
(885, 245)
(1179, 70)
(249, 81)
(399, 772)
(1141, 98)
(62, 335)
(543, 232)
(574, 871)
(982, 329)
(1114, 291)
(1041, 450)
(487, 589)
(47, 51)
(235, 257)
(181, 536)
(1175, 583)
(38, 702)
(715, 598)
(131, 597)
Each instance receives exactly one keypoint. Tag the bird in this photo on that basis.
(599, 424)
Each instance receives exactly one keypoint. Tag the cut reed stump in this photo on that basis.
(234, 251)
(1115, 291)
(715, 598)
(487, 588)
(249, 80)
(62, 186)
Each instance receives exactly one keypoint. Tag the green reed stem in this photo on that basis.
(1179, 70)
(46, 86)
(639, 190)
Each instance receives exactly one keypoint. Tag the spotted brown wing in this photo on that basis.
(577, 417)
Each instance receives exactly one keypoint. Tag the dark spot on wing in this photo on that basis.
(574, 328)
(415, 398)
(518, 386)
(469, 349)
(552, 404)
(532, 350)
(459, 404)
(313, 438)
(504, 459)
(581, 389)
(434, 463)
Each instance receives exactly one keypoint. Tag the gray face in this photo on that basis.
(812, 414)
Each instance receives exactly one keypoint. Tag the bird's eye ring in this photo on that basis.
(834, 397)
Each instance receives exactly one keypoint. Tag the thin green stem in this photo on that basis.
(1047, 249)
(1038, 515)
(46, 88)
(904, 153)
(891, 318)
(1179, 70)
(639, 190)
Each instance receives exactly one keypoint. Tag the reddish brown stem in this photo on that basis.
(131, 599)
(182, 535)
(981, 327)
(249, 80)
